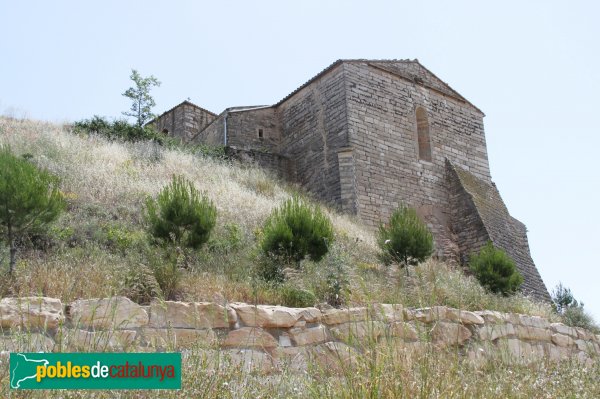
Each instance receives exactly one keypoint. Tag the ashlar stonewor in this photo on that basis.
(365, 135)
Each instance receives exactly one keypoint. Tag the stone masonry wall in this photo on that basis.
(213, 133)
(244, 126)
(313, 124)
(184, 121)
(383, 134)
(266, 338)
(479, 215)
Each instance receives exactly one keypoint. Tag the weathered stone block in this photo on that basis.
(563, 329)
(169, 314)
(587, 346)
(449, 333)
(248, 361)
(27, 342)
(524, 351)
(274, 316)
(562, 340)
(308, 336)
(31, 313)
(360, 331)
(388, 313)
(533, 321)
(533, 333)
(429, 315)
(339, 316)
(99, 341)
(333, 356)
(177, 337)
(584, 334)
(293, 359)
(403, 330)
(492, 332)
(463, 316)
(557, 353)
(116, 313)
(249, 337)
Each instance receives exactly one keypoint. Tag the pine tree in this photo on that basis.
(405, 239)
(29, 199)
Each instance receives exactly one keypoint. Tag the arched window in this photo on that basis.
(423, 135)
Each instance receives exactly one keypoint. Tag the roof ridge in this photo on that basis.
(181, 103)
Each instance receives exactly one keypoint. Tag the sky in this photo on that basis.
(533, 67)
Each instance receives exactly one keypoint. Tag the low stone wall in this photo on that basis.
(270, 337)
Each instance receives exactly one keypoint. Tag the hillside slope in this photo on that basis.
(100, 242)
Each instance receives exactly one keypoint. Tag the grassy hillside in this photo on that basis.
(101, 240)
(95, 248)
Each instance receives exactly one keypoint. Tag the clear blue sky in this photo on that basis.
(532, 66)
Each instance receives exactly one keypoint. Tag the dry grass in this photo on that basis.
(106, 184)
(91, 248)
(380, 371)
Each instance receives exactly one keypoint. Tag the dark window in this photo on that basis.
(260, 133)
(165, 131)
(423, 135)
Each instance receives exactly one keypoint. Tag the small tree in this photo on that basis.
(495, 270)
(571, 310)
(181, 215)
(142, 101)
(297, 230)
(405, 239)
(29, 199)
(563, 298)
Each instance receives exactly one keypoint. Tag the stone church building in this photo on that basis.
(365, 135)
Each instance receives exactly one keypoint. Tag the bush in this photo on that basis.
(140, 285)
(563, 298)
(571, 310)
(297, 298)
(297, 230)
(167, 270)
(29, 199)
(576, 316)
(269, 268)
(495, 270)
(181, 215)
(405, 239)
(118, 130)
(229, 240)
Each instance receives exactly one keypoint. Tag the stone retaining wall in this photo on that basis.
(269, 337)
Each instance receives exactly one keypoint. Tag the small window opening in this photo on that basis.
(260, 133)
(165, 131)
(423, 135)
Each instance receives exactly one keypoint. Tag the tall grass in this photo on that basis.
(382, 370)
(102, 235)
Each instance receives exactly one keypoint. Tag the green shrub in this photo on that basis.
(405, 240)
(576, 316)
(571, 310)
(269, 268)
(495, 270)
(563, 298)
(140, 285)
(181, 215)
(297, 230)
(297, 298)
(121, 238)
(29, 199)
(228, 240)
(118, 130)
